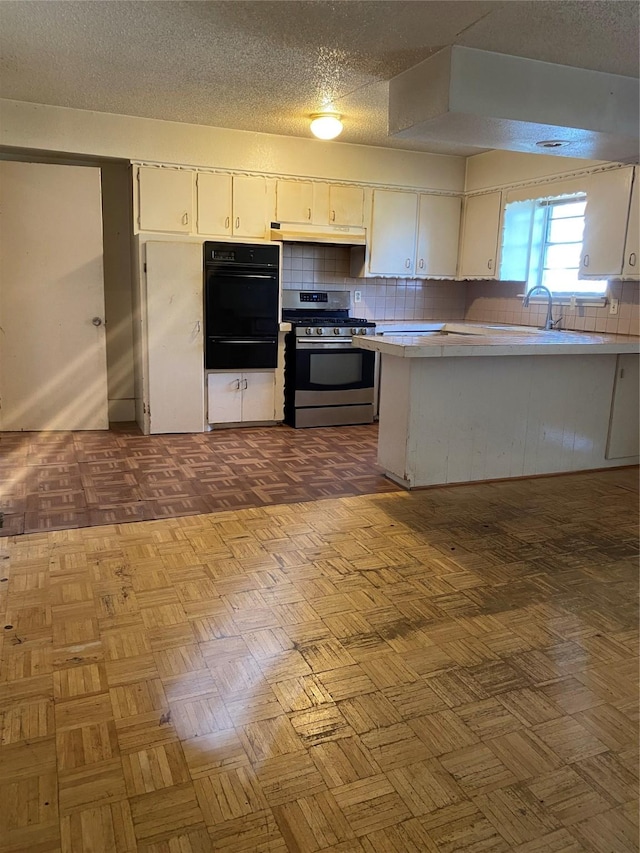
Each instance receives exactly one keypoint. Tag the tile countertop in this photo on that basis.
(477, 339)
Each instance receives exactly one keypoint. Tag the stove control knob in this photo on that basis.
(336, 331)
(307, 331)
(319, 331)
(363, 331)
(354, 331)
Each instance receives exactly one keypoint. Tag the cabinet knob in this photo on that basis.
(227, 222)
(421, 263)
(490, 264)
(185, 218)
(585, 261)
(333, 216)
(308, 213)
(237, 221)
(245, 385)
(632, 259)
(407, 263)
(237, 384)
(97, 321)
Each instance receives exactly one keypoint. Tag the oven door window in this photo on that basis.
(241, 305)
(324, 370)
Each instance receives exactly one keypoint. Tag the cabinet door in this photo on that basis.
(438, 231)
(214, 204)
(165, 201)
(249, 206)
(224, 394)
(480, 236)
(623, 427)
(345, 205)
(258, 396)
(294, 200)
(631, 267)
(393, 233)
(605, 223)
(174, 334)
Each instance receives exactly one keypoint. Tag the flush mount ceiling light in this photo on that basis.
(552, 143)
(326, 125)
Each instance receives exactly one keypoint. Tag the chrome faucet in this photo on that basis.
(549, 323)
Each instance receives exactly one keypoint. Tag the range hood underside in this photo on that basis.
(329, 235)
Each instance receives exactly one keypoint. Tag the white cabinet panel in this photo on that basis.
(249, 206)
(174, 335)
(631, 267)
(224, 392)
(294, 201)
(232, 205)
(241, 397)
(214, 204)
(345, 205)
(258, 396)
(438, 231)
(605, 223)
(165, 201)
(393, 233)
(624, 425)
(480, 236)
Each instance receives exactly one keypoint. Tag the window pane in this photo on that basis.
(563, 255)
(566, 230)
(573, 208)
(560, 280)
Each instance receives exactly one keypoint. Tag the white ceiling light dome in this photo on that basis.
(326, 125)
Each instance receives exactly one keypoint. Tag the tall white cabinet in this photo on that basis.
(174, 337)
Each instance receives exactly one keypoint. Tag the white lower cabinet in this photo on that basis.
(622, 441)
(241, 397)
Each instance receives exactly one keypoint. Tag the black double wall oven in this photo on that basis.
(241, 305)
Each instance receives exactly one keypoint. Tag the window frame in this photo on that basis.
(540, 229)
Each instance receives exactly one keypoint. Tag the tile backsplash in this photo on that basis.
(498, 302)
(320, 267)
(310, 267)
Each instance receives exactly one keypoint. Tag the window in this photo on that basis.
(556, 246)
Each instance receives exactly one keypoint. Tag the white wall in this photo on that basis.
(42, 127)
(494, 169)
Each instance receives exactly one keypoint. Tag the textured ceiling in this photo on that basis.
(264, 66)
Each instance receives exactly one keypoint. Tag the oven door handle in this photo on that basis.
(343, 344)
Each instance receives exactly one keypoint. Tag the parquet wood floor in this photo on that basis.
(57, 480)
(449, 671)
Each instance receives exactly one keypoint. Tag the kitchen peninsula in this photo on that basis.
(467, 402)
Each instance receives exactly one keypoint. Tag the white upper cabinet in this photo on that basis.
(215, 210)
(166, 199)
(231, 205)
(392, 242)
(345, 205)
(438, 231)
(605, 223)
(479, 249)
(631, 268)
(249, 206)
(294, 201)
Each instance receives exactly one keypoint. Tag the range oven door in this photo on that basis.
(327, 383)
(329, 373)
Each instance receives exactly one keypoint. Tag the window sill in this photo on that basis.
(578, 302)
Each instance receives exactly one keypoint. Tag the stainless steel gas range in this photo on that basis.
(328, 382)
